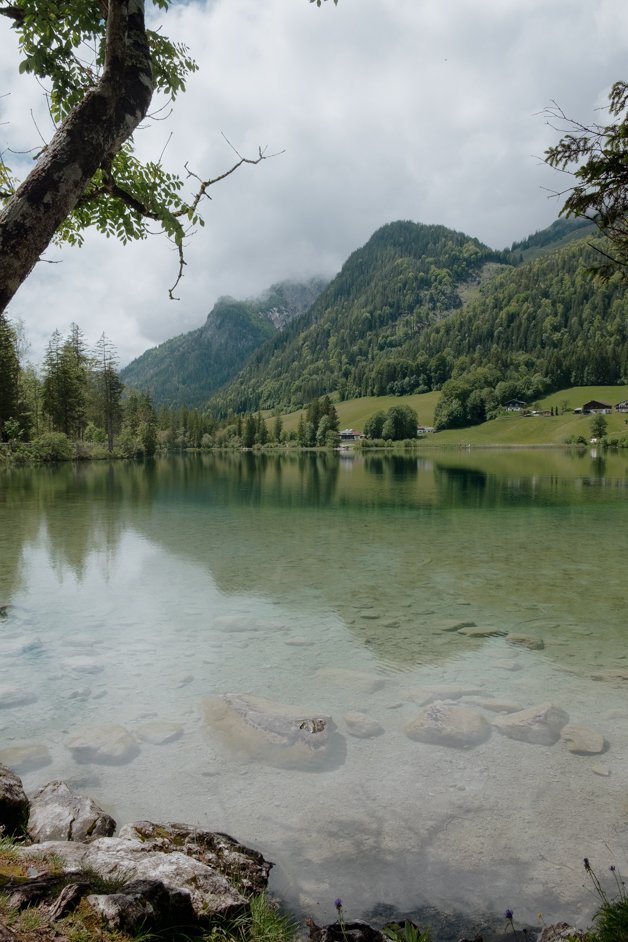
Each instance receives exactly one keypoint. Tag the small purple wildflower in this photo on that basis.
(612, 868)
(587, 865)
(338, 903)
(508, 915)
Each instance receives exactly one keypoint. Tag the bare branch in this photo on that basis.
(205, 184)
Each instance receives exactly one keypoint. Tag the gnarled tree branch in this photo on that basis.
(89, 136)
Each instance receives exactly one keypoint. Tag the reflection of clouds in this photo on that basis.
(231, 576)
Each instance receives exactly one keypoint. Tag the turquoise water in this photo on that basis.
(139, 595)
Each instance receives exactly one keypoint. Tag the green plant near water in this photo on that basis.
(7, 845)
(611, 918)
(406, 932)
(264, 922)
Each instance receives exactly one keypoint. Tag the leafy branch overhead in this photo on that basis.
(599, 154)
(100, 66)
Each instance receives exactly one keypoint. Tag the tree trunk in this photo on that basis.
(87, 139)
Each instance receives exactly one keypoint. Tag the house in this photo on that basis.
(595, 407)
(350, 435)
(622, 406)
(424, 429)
(515, 405)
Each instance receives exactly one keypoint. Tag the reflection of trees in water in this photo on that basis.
(80, 508)
(466, 487)
(19, 525)
(252, 479)
(395, 467)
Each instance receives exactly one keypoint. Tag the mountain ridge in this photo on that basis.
(186, 369)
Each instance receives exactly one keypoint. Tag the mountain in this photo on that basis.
(418, 305)
(406, 277)
(187, 369)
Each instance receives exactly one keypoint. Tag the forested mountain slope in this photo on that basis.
(405, 278)
(187, 369)
(542, 326)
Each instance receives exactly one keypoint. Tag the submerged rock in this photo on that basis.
(539, 724)
(159, 732)
(13, 802)
(583, 740)
(14, 697)
(26, 758)
(432, 692)
(449, 724)
(525, 641)
(359, 681)
(110, 744)
(494, 705)
(59, 814)
(83, 664)
(601, 769)
(455, 625)
(482, 631)
(273, 732)
(611, 675)
(361, 725)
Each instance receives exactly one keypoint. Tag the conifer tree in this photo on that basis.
(9, 374)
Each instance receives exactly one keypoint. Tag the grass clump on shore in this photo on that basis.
(611, 918)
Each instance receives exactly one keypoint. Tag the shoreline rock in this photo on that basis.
(150, 878)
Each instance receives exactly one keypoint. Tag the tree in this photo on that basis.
(277, 429)
(600, 154)
(139, 425)
(599, 426)
(249, 431)
(66, 365)
(88, 173)
(9, 375)
(109, 387)
(374, 425)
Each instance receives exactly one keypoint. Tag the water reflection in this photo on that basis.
(342, 587)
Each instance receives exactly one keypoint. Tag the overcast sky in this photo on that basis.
(428, 110)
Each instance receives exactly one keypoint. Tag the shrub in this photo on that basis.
(53, 446)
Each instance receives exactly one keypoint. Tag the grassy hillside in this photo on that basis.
(354, 412)
(512, 429)
(515, 429)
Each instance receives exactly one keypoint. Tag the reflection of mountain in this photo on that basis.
(394, 545)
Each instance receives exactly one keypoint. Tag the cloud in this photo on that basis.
(384, 109)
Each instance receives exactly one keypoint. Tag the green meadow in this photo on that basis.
(510, 429)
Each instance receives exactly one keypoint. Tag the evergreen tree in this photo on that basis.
(249, 431)
(66, 369)
(109, 388)
(9, 375)
(277, 429)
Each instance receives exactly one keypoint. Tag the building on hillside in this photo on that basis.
(515, 405)
(622, 406)
(424, 429)
(350, 435)
(594, 407)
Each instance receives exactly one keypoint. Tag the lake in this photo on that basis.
(346, 587)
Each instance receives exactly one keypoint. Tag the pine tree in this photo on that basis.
(9, 374)
(66, 370)
(108, 387)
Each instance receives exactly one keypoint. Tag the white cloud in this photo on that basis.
(386, 109)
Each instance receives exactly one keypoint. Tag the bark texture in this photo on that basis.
(88, 139)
